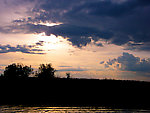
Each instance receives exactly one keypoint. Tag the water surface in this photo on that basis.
(21, 109)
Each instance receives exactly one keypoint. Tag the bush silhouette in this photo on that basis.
(17, 71)
(46, 71)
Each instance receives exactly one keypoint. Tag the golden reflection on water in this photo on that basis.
(18, 109)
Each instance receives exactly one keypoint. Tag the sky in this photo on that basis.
(87, 38)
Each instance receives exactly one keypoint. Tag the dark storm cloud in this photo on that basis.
(128, 62)
(116, 21)
(108, 8)
(138, 46)
(20, 48)
(78, 35)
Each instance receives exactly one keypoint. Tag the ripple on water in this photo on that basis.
(21, 109)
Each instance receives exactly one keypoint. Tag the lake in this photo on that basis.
(22, 109)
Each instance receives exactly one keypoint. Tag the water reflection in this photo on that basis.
(20, 109)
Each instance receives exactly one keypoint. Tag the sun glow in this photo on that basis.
(48, 23)
(52, 42)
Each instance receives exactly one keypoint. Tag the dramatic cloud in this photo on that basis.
(115, 21)
(128, 62)
(138, 46)
(20, 48)
(124, 20)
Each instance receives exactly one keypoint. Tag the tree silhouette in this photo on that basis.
(46, 71)
(68, 75)
(17, 71)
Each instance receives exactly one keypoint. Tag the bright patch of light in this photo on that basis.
(52, 42)
(50, 39)
(48, 23)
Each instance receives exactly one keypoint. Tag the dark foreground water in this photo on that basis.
(21, 109)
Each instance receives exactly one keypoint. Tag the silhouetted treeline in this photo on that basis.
(54, 91)
(18, 71)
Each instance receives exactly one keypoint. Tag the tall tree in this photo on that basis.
(46, 71)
